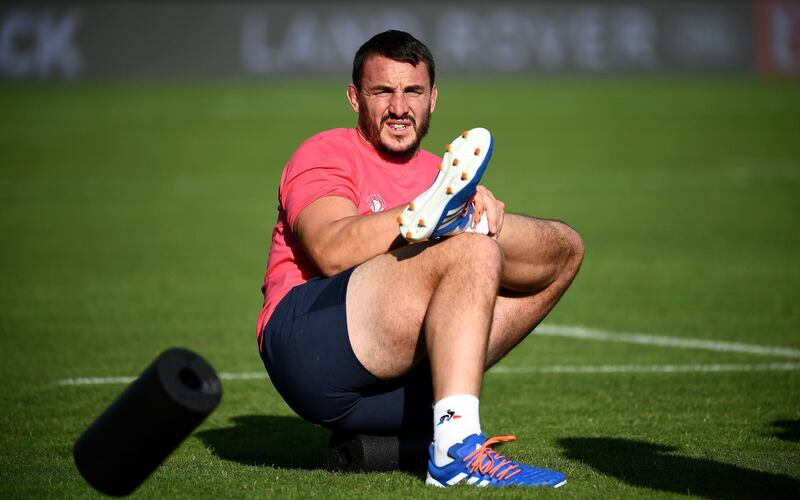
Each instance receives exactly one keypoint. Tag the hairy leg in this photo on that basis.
(541, 258)
(446, 289)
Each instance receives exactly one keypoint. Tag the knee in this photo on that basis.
(479, 253)
(488, 252)
(573, 247)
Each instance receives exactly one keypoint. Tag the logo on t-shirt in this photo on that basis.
(376, 203)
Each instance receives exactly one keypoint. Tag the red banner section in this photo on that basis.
(778, 37)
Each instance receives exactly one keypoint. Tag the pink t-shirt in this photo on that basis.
(334, 163)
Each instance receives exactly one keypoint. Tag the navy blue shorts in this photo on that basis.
(307, 353)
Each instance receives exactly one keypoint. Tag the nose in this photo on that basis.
(398, 105)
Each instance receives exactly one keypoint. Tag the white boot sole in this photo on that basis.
(443, 202)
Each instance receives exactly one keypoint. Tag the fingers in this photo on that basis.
(480, 208)
(485, 202)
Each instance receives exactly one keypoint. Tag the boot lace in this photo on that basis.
(490, 463)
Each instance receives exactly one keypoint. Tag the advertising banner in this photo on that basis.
(142, 39)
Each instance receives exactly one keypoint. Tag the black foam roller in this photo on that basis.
(147, 422)
(363, 452)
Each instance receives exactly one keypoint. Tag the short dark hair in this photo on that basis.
(396, 45)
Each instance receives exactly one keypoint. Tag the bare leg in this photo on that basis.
(451, 291)
(542, 258)
(446, 289)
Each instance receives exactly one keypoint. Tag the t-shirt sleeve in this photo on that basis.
(317, 169)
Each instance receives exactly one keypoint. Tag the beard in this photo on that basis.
(373, 133)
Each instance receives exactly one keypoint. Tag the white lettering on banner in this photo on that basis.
(346, 36)
(39, 45)
(460, 38)
(311, 41)
(396, 19)
(634, 38)
(588, 34)
(590, 39)
(510, 34)
(548, 46)
(506, 39)
(255, 51)
(302, 45)
(707, 39)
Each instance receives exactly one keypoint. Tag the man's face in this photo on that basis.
(394, 105)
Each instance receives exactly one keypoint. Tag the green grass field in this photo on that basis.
(138, 217)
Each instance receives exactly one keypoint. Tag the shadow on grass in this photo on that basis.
(790, 430)
(655, 466)
(268, 440)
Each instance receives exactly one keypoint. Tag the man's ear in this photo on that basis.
(434, 93)
(352, 96)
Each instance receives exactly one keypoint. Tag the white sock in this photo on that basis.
(454, 418)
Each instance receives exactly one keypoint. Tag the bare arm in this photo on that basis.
(336, 238)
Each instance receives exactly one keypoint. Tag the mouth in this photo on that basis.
(399, 126)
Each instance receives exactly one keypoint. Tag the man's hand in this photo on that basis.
(494, 209)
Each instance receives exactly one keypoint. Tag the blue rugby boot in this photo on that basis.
(445, 208)
(476, 463)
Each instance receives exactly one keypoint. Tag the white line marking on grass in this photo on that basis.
(128, 380)
(96, 380)
(563, 369)
(583, 333)
(660, 340)
(243, 376)
(593, 369)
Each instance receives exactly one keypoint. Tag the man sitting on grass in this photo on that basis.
(395, 280)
